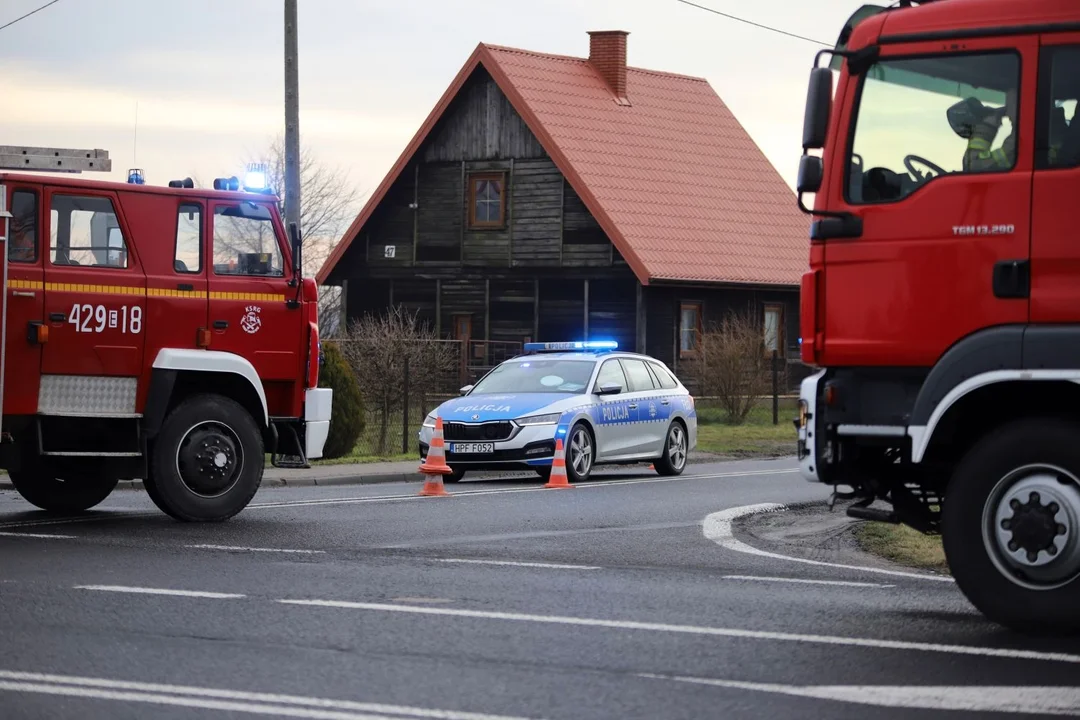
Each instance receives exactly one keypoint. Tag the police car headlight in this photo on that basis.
(429, 421)
(539, 419)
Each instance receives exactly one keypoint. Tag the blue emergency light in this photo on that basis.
(135, 177)
(575, 345)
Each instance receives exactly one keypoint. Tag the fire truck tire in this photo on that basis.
(63, 496)
(207, 462)
(1011, 526)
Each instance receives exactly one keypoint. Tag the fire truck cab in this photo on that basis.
(942, 298)
(161, 333)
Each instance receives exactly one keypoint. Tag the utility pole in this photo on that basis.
(292, 118)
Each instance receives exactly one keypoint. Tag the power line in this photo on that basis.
(29, 14)
(757, 25)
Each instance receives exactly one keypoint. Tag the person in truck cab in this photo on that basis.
(979, 124)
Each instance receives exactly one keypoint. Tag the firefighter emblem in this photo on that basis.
(251, 322)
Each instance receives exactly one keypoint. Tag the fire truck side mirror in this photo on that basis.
(818, 106)
(811, 171)
(294, 240)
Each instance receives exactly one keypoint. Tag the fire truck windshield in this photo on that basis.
(919, 118)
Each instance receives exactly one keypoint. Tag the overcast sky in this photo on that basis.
(208, 74)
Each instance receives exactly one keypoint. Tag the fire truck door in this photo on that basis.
(249, 288)
(1055, 252)
(25, 300)
(95, 302)
(177, 303)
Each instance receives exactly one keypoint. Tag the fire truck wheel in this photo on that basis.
(150, 484)
(1011, 526)
(207, 462)
(63, 496)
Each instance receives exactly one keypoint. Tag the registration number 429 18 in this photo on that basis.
(472, 448)
(98, 318)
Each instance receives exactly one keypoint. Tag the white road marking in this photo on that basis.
(159, 591)
(553, 566)
(1022, 699)
(717, 527)
(238, 548)
(37, 535)
(190, 696)
(700, 630)
(844, 583)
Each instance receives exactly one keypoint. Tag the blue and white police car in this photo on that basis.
(607, 406)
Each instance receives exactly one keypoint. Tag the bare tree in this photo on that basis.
(378, 347)
(731, 364)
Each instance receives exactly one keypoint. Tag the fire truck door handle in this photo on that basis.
(221, 324)
(23, 293)
(185, 286)
(1012, 278)
(57, 317)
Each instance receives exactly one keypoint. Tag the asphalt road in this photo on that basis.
(627, 597)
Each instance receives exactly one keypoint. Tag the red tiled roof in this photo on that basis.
(673, 178)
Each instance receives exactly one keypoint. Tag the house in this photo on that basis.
(558, 198)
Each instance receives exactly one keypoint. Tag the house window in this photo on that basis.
(487, 200)
(689, 328)
(774, 329)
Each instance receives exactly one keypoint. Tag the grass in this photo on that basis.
(755, 438)
(902, 545)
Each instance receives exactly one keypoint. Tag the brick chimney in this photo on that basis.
(607, 53)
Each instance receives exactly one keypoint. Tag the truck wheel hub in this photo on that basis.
(1033, 517)
(207, 459)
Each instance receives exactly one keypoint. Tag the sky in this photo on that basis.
(205, 78)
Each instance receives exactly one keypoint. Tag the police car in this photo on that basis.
(608, 407)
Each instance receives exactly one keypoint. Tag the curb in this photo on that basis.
(296, 482)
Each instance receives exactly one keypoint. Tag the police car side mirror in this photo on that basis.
(465, 390)
(609, 389)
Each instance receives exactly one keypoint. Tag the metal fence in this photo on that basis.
(404, 388)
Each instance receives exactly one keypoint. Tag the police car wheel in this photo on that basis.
(454, 477)
(673, 460)
(73, 494)
(580, 453)
(207, 462)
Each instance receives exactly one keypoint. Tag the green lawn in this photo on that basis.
(756, 437)
(902, 545)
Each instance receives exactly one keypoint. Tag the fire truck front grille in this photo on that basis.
(490, 431)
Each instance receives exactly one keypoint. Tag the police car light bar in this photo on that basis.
(577, 345)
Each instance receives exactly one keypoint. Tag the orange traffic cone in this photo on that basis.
(557, 479)
(434, 465)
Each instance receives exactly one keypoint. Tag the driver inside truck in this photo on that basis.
(979, 125)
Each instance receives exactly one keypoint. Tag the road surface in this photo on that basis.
(626, 597)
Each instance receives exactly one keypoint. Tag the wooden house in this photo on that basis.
(557, 198)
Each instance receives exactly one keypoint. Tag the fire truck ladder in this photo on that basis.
(36, 159)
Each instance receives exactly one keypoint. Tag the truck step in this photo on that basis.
(865, 513)
(294, 462)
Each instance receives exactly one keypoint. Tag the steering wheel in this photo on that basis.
(919, 177)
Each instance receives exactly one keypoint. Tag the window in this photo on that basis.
(487, 200)
(919, 118)
(611, 373)
(537, 376)
(689, 328)
(85, 231)
(22, 240)
(663, 376)
(188, 258)
(1057, 141)
(638, 375)
(245, 242)
(774, 329)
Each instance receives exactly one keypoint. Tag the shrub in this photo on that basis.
(347, 415)
(731, 364)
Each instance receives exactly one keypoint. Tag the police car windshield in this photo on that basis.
(537, 376)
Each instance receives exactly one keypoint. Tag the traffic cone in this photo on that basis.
(434, 465)
(557, 479)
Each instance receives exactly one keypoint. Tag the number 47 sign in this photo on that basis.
(97, 318)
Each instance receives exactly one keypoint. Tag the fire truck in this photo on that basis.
(161, 333)
(941, 306)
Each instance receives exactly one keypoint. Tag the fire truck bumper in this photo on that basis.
(317, 405)
(807, 439)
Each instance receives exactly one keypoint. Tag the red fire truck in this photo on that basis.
(942, 301)
(162, 333)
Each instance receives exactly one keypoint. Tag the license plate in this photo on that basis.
(470, 448)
